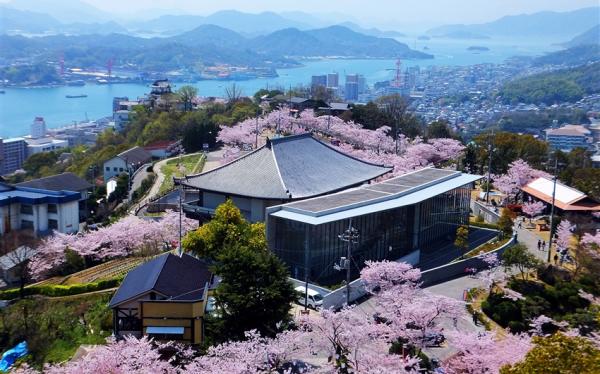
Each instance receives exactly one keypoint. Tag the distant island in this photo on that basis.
(478, 48)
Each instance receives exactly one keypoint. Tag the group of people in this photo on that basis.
(541, 245)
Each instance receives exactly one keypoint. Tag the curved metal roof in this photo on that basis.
(292, 167)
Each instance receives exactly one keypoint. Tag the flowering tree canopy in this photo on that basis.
(518, 175)
(125, 237)
(564, 234)
(532, 209)
(375, 146)
(486, 352)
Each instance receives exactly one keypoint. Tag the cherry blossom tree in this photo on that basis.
(375, 146)
(492, 274)
(410, 312)
(485, 352)
(519, 174)
(354, 342)
(123, 238)
(131, 355)
(564, 235)
(532, 209)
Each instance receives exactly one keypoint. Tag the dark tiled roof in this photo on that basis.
(60, 182)
(135, 155)
(291, 167)
(177, 278)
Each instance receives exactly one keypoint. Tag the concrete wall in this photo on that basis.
(68, 217)
(488, 214)
(457, 269)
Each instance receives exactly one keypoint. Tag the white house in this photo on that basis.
(126, 162)
(24, 208)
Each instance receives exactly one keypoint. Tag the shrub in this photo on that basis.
(61, 290)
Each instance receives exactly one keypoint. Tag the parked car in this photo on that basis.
(434, 339)
(314, 299)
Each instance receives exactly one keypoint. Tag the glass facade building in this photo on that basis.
(312, 250)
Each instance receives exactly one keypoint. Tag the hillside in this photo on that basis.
(574, 56)
(591, 36)
(332, 41)
(567, 85)
(561, 25)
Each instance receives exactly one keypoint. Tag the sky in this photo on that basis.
(366, 12)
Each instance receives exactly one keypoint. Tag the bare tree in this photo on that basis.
(233, 93)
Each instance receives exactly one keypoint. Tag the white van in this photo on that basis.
(315, 299)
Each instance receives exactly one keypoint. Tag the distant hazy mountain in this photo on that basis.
(592, 36)
(211, 35)
(373, 31)
(12, 20)
(245, 23)
(332, 41)
(542, 24)
(66, 11)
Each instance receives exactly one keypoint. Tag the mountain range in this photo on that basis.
(560, 25)
(206, 44)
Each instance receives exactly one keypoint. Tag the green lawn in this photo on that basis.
(191, 164)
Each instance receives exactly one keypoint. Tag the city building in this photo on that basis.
(351, 91)
(568, 137)
(284, 169)
(39, 210)
(362, 84)
(333, 80)
(128, 161)
(566, 199)
(64, 182)
(164, 299)
(318, 80)
(38, 128)
(407, 217)
(45, 144)
(14, 153)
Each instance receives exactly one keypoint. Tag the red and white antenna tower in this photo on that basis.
(397, 82)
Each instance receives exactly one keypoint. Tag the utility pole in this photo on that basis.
(350, 236)
(489, 176)
(256, 137)
(180, 210)
(552, 208)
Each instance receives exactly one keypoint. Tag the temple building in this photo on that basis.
(284, 170)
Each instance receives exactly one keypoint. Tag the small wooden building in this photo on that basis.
(164, 298)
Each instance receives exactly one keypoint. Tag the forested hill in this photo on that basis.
(567, 85)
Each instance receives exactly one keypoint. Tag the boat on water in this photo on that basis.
(75, 96)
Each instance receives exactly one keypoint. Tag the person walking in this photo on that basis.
(539, 244)
(556, 259)
(543, 245)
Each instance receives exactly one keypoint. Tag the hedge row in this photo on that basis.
(485, 225)
(61, 290)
